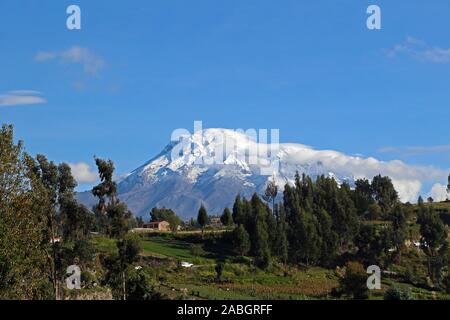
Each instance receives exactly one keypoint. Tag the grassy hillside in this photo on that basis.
(443, 209)
(162, 253)
(445, 205)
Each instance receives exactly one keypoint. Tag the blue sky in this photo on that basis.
(140, 69)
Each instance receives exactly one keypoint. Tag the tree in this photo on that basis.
(293, 216)
(373, 244)
(238, 214)
(354, 282)
(220, 266)
(139, 287)
(328, 237)
(226, 218)
(117, 213)
(374, 211)
(23, 207)
(76, 221)
(57, 193)
(281, 243)
(257, 225)
(128, 249)
(384, 193)
(202, 218)
(399, 228)
(420, 201)
(261, 246)
(363, 196)
(271, 192)
(345, 217)
(119, 217)
(434, 236)
(107, 188)
(430, 200)
(240, 240)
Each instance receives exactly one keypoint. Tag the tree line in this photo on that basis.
(323, 223)
(43, 229)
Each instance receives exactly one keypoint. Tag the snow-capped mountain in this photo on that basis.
(213, 165)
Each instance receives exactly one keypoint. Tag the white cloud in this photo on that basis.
(83, 173)
(439, 192)
(407, 179)
(419, 49)
(90, 62)
(21, 97)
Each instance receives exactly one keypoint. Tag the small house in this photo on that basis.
(157, 225)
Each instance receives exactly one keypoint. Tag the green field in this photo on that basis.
(171, 247)
(162, 253)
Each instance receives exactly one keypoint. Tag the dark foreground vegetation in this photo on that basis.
(313, 241)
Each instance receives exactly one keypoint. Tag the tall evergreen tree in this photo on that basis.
(240, 240)
(261, 245)
(226, 218)
(238, 214)
(202, 217)
(281, 243)
(420, 201)
(259, 234)
(345, 218)
(328, 236)
(363, 196)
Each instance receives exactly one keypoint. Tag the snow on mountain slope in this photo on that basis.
(213, 165)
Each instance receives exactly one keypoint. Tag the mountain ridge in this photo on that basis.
(212, 166)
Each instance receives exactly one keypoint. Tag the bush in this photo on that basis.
(397, 293)
(219, 270)
(446, 283)
(197, 250)
(354, 281)
(140, 287)
(88, 280)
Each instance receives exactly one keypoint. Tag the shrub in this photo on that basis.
(354, 281)
(446, 283)
(197, 250)
(219, 270)
(397, 293)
